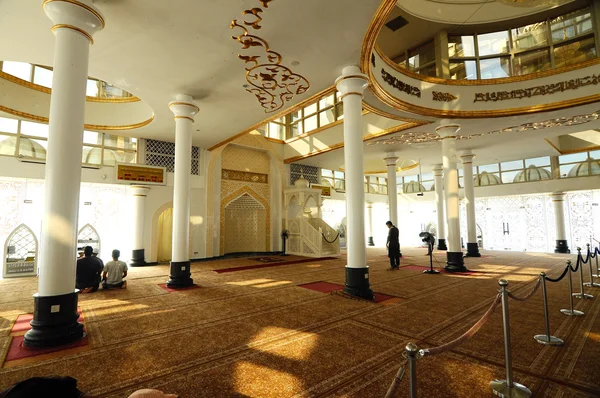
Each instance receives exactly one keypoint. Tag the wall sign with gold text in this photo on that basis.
(131, 173)
(246, 176)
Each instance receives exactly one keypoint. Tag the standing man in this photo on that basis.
(393, 245)
(114, 272)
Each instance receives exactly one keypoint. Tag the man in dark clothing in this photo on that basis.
(393, 245)
(88, 272)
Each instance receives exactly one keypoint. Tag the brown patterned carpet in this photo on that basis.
(255, 333)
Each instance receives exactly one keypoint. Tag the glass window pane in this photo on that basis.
(514, 165)
(22, 70)
(310, 124)
(42, 76)
(564, 170)
(542, 161)
(530, 36)
(309, 110)
(460, 171)
(571, 25)
(595, 155)
(120, 142)
(463, 70)
(277, 131)
(460, 182)
(110, 91)
(531, 62)
(489, 168)
(328, 181)
(493, 43)
(8, 125)
(428, 185)
(91, 137)
(91, 155)
(91, 89)
(400, 60)
(495, 68)
(340, 110)
(461, 46)
(8, 145)
(575, 52)
(574, 157)
(410, 178)
(297, 128)
(509, 176)
(34, 129)
(327, 173)
(112, 156)
(326, 117)
(33, 148)
(296, 115)
(338, 174)
(327, 101)
(421, 56)
(427, 177)
(430, 71)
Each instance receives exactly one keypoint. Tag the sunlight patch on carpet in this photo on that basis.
(301, 352)
(251, 380)
(250, 282)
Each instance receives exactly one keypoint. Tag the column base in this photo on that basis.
(455, 262)
(180, 275)
(562, 247)
(137, 258)
(442, 244)
(54, 321)
(473, 250)
(371, 243)
(357, 283)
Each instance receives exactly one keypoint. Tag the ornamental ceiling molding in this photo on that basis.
(272, 83)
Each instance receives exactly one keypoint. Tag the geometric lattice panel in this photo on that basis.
(310, 173)
(244, 202)
(162, 154)
(22, 243)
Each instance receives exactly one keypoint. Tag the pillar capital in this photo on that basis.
(448, 130)
(183, 107)
(352, 81)
(438, 170)
(558, 196)
(391, 161)
(78, 16)
(139, 190)
(467, 157)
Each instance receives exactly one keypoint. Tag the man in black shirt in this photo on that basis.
(393, 245)
(88, 272)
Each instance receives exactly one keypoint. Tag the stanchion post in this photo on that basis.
(507, 388)
(582, 294)
(591, 283)
(546, 339)
(411, 352)
(571, 311)
(431, 270)
(597, 269)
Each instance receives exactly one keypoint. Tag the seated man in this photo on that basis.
(87, 278)
(114, 272)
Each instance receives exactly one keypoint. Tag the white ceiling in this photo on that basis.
(156, 49)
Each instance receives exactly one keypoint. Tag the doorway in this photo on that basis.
(165, 235)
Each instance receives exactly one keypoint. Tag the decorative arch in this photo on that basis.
(88, 236)
(18, 261)
(155, 216)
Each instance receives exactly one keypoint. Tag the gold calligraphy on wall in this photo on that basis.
(400, 85)
(546, 89)
(272, 83)
(237, 175)
(444, 97)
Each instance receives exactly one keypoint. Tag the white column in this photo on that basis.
(438, 172)
(351, 86)
(370, 224)
(467, 162)
(391, 163)
(139, 206)
(184, 110)
(55, 319)
(454, 254)
(562, 246)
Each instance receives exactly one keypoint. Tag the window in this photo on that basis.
(571, 25)
(530, 62)
(461, 46)
(460, 70)
(493, 43)
(530, 36)
(42, 76)
(493, 68)
(377, 185)
(335, 179)
(21, 70)
(422, 59)
(319, 114)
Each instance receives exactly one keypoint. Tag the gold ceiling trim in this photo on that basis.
(79, 4)
(75, 28)
(100, 127)
(272, 83)
(275, 140)
(388, 115)
(43, 89)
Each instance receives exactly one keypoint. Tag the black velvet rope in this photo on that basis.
(334, 239)
(560, 277)
(576, 265)
(587, 258)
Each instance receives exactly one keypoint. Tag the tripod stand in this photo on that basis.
(430, 270)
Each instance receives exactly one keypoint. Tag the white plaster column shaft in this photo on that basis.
(139, 193)
(438, 172)
(351, 85)
(467, 162)
(558, 199)
(391, 163)
(74, 26)
(370, 224)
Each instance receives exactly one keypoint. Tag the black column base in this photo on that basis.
(137, 258)
(562, 247)
(180, 275)
(455, 262)
(442, 244)
(357, 283)
(371, 243)
(54, 321)
(473, 250)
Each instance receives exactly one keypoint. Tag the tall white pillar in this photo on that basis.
(391, 163)
(454, 256)
(467, 162)
(370, 224)
(139, 193)
(438, 172)
(184, 110)
(55, 305)
(351, 85)
(562, 246)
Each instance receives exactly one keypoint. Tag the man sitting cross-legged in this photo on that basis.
(114, 272)
(88, 272)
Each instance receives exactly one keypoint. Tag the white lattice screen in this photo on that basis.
(162, 153)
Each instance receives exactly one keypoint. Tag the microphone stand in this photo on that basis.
(431, 270)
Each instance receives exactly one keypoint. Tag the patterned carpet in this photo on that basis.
(258, 334)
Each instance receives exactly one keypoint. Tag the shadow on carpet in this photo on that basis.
(271, 264)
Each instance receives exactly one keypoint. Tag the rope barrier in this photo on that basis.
(334, 239)
(560, 277)
(579, 256)
(466, 335)
(576, 265)
(529, 295)
(391, 392)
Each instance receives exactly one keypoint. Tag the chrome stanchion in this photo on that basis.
(597, 269)
(572, 311)
(507, 388)
(591, 283)
(546, 339)
(582, 294)
(412, 353)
